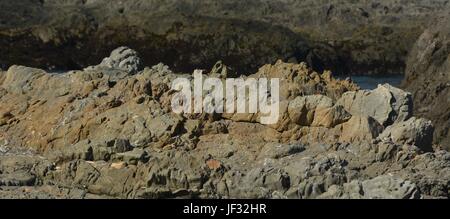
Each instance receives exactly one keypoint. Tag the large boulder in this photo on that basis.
(386, 104)
(17, 79)
(330, 117)
(301, 110)
(418, 132)
(300, 79)
(360, 129)
(17, 179)
(389, 187)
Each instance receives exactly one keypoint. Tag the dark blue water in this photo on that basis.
(371, 82)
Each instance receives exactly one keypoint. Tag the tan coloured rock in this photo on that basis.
(300, 80)
(302, 109)
(108, 117)
(330, 117)
(418, 132)
(360, 129)
(386, 104)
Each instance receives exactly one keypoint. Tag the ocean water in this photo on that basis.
(371, 82)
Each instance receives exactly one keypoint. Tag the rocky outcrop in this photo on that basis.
(103, 132)
(122, 58)
(414, 131)
(380, 187)
(360, 129)
(360, 37)
(428, 77)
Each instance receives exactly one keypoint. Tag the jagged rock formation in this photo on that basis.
(350, 37)
(428, 77)
(122, 58)
(108, 133)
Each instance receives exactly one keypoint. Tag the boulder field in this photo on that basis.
(109, 131)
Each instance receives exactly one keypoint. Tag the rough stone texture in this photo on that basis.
(360, 128)
(110, 134)
(386, 104)
(122, 58)
(428, 77)
(349, 37)
(414, 131)
(381, 187)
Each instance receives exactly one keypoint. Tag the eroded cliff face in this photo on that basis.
(428, 76)
(345, 37)
(109, 131)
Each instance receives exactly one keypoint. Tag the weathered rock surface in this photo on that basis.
(122, 58)
(348, 37)
(360, 128)
(428, 77)
(106, 133)
(386, 104)
(380, 187)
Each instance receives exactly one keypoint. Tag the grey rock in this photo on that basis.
(418, 132)
(111, 145)
(402, 104)
(386, 104)
(330, 117)
(122, 58)
(302, 109)
(389, 187)
(91, 151)
(164, 126)
(17, 78)
(360, 129)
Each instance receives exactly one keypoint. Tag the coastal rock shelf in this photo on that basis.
(108, 131)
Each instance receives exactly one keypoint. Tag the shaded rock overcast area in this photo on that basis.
(357, 37)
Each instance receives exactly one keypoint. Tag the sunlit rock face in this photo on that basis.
(107, 131)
